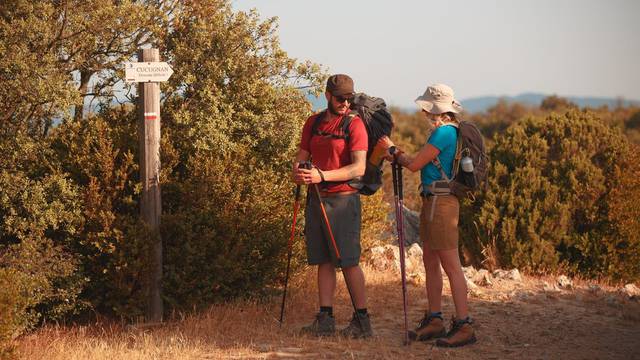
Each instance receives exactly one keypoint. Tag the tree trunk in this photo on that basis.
(85, 76)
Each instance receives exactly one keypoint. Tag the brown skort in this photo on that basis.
(439, 222)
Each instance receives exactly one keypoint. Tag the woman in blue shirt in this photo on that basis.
(439, 218)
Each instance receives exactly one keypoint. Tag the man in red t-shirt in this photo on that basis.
(337, 158)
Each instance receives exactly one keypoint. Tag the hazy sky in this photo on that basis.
(394, 49)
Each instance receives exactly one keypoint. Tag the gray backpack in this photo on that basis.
(469, 165)
(378, 122)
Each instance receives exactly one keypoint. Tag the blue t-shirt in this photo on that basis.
(444, 138)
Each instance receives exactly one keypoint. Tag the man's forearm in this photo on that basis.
(344, 173)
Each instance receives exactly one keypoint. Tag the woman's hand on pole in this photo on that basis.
(388, 145)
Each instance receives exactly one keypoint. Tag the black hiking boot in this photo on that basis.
(460, 334)
(359, 327)
(323, 325)
(430, 327)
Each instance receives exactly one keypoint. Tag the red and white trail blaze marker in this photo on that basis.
(150, 116)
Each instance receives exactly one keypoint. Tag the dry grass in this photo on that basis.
(513, 321)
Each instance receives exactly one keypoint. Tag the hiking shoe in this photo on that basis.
(461, 333)
(323, 325)
(430, 327)
(359, 327)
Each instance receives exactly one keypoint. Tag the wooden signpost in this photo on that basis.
(148, 73)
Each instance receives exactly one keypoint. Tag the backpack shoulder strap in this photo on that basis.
(314, 126)
(458, 155)
(344, 125)
(456, 159)
(316, 123)
(437, 163)
(346, 122)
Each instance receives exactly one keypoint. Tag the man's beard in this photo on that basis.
(332, 109)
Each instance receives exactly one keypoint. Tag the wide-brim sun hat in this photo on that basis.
(438, 99)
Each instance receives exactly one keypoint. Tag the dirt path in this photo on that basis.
(513, 321)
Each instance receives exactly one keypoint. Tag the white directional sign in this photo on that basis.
(147, 71)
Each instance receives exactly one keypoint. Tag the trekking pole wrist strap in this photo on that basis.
(396, 153)
(321, 175)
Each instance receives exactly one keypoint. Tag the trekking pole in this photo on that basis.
(398, 197)
(337, 252)
(296, 206)
(326, 221)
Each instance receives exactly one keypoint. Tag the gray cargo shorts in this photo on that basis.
(345, 217)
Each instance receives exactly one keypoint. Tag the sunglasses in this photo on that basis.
(342, 99)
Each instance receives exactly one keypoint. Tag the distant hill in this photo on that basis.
(482, 103)
(479, 104)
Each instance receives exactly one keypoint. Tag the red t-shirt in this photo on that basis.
(328, 153)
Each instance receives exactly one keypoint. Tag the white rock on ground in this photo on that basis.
(413, 260)
(631, 290)
(414, 251)
(388, 257)
(548, 287)
(482, 278)
(513, 274)
(564, 282)
(471, 285)
(416, 279)
(469, 272)
(385, 257)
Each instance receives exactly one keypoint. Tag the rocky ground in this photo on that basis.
(537, 317)
(517, 317)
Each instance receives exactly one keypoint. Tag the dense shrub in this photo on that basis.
(226, 236)
(618, 252)
(375, 219)
(549, 190)
(113, 245)
(39, 218)
(231, 116)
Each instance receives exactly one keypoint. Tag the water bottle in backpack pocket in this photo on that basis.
(467, 174)
(470, 171)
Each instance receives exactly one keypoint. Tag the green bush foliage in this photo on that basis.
(410, 133)
(556, 199)
(375, 219)
(226, 237)
(112, 247)
(39, 218)
(232, 112)
(550, 187)
(232, 121)
(621, 251)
